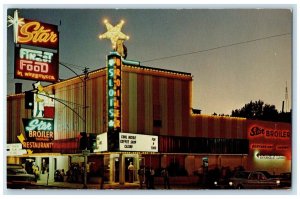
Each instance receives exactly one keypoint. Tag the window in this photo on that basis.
(157, 123)
(172, 144)
(157, 116)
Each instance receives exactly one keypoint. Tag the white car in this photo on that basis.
(17, 177)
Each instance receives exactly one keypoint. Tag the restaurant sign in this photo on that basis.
(257, 131)
(35, 33)
(33, 64)
(36, 49)
(113, 100)
(39, 130)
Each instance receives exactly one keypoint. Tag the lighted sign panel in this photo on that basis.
(38, 34)
(101, 143)
(138, 142)
(34, 64)
(43, 106)
(269, 145)
(38, 130)
(15, 149)
(113, 100)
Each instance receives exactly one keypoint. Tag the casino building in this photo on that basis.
(143, 115)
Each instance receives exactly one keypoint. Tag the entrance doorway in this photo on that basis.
(117, 169)
(129, 174)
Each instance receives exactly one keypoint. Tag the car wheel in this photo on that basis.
(239, 187)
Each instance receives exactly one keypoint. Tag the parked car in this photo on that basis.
(285, 179)
(18, 177)
(252, 180)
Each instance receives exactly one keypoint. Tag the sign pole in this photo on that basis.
(85, 174)
(85, 153)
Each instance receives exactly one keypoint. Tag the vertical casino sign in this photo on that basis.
(36, 51)
(113, 100)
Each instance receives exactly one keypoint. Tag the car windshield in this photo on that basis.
(242, 174)
(16, 171)
(267, 174)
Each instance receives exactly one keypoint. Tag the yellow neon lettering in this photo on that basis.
(117, 103)
(38, 35)
(117, 123)
(117, 113)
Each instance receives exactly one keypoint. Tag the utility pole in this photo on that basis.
(85, 71)
(286, 98)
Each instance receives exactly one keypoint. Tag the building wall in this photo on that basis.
(152, 95)
(147, 95)
(73, 93)
(15, 112)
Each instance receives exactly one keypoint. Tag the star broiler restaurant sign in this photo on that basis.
(39, 133)
(36, 50)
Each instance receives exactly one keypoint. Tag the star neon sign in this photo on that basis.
(15, 22)
(114, 33)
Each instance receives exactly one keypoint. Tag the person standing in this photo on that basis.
(141, 173)
(152, 173)
(147, 176)
(131, 170)
(165, 175)
(101, 173)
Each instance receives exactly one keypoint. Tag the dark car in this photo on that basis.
(252, 180)
(285, 179)
(17, 177)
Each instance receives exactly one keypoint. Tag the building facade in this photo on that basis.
(156, 103)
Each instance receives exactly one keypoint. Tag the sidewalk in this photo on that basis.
(68, 185)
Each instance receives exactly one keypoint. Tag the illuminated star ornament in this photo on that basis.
(114, 33)
(16, 22)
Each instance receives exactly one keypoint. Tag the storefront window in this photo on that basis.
(174, 144)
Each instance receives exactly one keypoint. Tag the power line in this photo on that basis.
(74, 66)
(210, 49)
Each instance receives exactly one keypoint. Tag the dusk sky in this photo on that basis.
(239, 55)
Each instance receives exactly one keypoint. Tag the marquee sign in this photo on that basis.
(34, 64)
(138, 142)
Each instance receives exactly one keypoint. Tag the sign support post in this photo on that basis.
(85, 153)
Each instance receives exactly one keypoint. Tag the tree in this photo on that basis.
(260, 111)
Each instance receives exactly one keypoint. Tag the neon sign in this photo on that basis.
(113, 100)
(39, 130)
(38, 34)
(36, 64)
(269, 156)
(37, 124)
(37, 145)
(269, 133)
(114, 93)
(262, 146)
